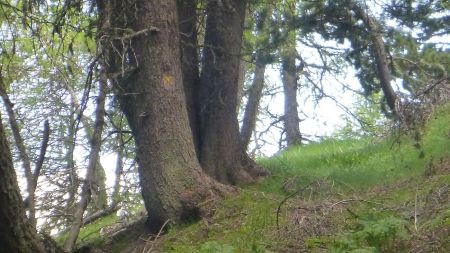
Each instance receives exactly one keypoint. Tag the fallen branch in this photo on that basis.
(97, 215)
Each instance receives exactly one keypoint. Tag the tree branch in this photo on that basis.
(43, 150)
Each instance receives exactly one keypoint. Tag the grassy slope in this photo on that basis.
(364, 196)
(335, 196)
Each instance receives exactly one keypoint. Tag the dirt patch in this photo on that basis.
(440, 167)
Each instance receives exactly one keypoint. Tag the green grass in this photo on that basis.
(359, 164)
(91, 232)
(241, 224)
(246, 223)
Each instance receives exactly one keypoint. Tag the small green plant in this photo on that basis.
(373, 235)
(213, 247)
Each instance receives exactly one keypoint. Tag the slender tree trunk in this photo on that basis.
(17, 234)
(72, 176)
(289, 78)
(221, 153)
(149, 87)
(90, 170)
(381, 57)
(99, 196)
(119, 168)
(241, 84)
(31, 206)
(115, 196)
(251, 109)
(187, 16)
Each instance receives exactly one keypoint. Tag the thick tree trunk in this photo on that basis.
(289, 78)
(17, 234)
(381, 57)
(187, 19)
(149, 88)
(94, 154)
(220, 149)
(251, 109)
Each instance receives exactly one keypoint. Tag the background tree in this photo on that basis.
(221, 153)
(258, 38)
(18, 235)
(290, 72)
(350, 20)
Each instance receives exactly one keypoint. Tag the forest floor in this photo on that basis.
(388, 194)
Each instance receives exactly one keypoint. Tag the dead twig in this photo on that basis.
(156, 238)
(286, 199)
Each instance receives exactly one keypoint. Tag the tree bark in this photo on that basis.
(149, 87)
(18, 235)
(379, 50)
(221, 153)
(252, 106)
(289, 78)
(187, 16)
(94, 154)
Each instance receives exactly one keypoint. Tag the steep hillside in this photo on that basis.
(366, 195)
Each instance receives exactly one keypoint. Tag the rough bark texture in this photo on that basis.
(17, 234)
(252, 106)
(220, 150)
(381, 57)
(85, 196)
(149, 88)
(187, 22)
(289, 78)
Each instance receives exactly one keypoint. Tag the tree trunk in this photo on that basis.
(381, 56)
(23, 154)
(18, 235)
(90, 170)
(149, 88)
(289, 78)
(241, 84)
(72, 176)
(251, 109)
(99, 196)
(187, 16)
(220, 150)
(115, 196)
